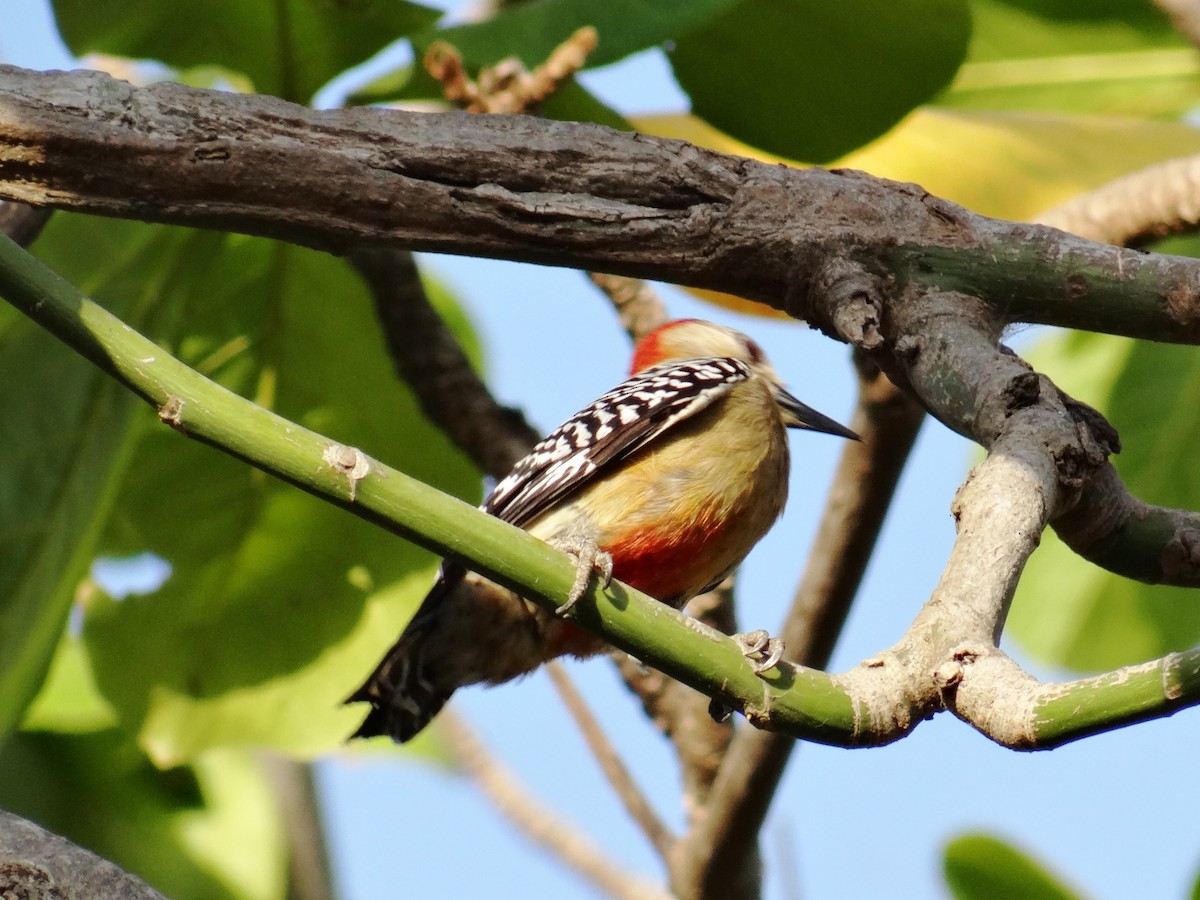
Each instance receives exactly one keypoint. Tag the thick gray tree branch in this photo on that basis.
(35, 863)
(552, 192)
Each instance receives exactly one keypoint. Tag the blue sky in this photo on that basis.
(1111, 814)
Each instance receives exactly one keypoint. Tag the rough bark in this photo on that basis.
(559, 193)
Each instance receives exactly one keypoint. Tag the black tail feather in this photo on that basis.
(403, 696)
(403, 699)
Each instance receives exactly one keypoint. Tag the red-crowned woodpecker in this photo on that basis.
(666, 482)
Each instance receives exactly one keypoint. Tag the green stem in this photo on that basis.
(1133, 694)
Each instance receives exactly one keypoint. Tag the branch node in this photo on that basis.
(948, 675)
(1172, 685)
(350, 461)
(847, 302)
(1182, 305)
(171, 412)
(1077, 286)
(908, 348)
(1022, 391)
(1095, 431)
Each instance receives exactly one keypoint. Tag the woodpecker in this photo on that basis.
(666, 482)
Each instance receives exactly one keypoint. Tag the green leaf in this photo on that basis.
(69, 701)
(811, 80)
(574, 103)
(981, 867)
(286, 47)
(1036, 29)
(210, 832)
(279, 603)
(1113, 57)
(71, 432)
(1068, 611)
(530, 31)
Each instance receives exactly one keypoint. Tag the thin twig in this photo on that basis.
(725, 840)
(309, 874)
(638, 305)
(1184, 15)
(682, 713)
(610, 762)
(1158, 200)
(540, 824)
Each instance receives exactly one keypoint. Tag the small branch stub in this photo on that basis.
(351, 462)
(171, 413)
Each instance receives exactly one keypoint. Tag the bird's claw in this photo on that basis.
(588, 558)
(762, 650)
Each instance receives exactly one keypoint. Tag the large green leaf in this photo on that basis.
(279, 603)
(1076, 56)
(210, 832)
(1036, 29)
(981, 867)
(812, 80)
(1068, 611)
(70, 431)
(286, 47)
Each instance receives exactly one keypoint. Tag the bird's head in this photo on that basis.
(697, 339)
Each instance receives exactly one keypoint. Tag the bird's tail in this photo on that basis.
(403, 698)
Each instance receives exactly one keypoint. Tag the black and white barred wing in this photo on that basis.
(617, 425)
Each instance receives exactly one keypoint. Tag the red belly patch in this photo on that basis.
(669, 563)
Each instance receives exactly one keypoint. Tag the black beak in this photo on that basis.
(797, 415)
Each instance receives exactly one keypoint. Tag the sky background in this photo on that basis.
(1113, 814)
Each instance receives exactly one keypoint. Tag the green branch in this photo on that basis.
(803, 702)
(1079, 709)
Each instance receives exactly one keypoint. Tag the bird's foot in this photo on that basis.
(763, 651)
(588, 558)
